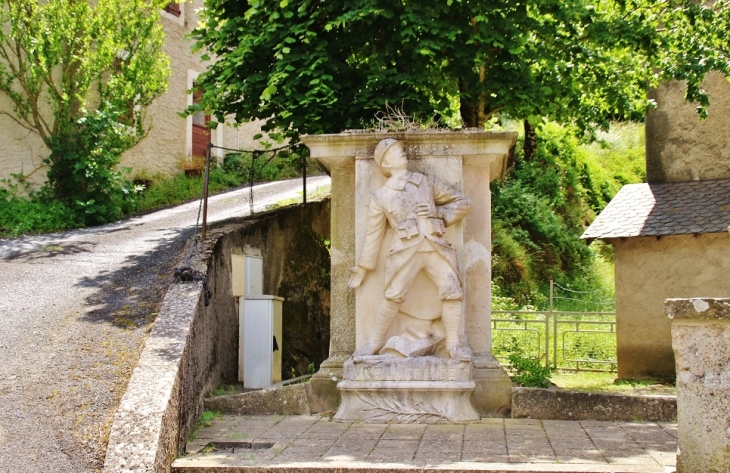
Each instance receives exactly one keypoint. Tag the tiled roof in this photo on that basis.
(670, 208)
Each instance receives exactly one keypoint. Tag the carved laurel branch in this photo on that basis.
(405, 412)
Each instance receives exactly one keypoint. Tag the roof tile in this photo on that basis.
(671, 208)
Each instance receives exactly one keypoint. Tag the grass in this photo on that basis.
(608, 383)
(166, 191)
(206, 420)
(226, 389)
(26, 211)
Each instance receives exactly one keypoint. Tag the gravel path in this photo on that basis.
(75, 310)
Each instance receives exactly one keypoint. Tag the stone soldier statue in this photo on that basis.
(418, 207)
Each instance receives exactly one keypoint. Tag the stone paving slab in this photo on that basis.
(316, 443)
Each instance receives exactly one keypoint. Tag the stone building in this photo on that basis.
(670, 235)
(172, 141)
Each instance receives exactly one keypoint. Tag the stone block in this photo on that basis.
(421, 390)
(569, 405)
(290, 400)
(492, 392)
(701, 343)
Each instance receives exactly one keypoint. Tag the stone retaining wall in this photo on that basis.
(193, 347)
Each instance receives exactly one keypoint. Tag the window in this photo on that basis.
(173, 8)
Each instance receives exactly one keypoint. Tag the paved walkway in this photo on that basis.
(315, 443)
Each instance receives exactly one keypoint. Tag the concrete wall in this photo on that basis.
(193, 348)
(648, 271)
(169, 142)
(292, 244)
(680, 147)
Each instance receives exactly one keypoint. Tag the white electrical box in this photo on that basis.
(260, 339)
(247, 276)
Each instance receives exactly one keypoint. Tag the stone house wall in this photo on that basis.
(169, 141)
(680, 146)
(650, 270)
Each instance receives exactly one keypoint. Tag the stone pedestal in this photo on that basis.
(425, 390)
(467, 161)
(701, 344)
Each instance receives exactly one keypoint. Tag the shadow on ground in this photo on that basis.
(130, 297)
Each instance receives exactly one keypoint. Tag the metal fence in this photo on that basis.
(564, 340)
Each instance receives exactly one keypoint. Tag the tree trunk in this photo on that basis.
(469, 112)
(530, 145)
(473, 107)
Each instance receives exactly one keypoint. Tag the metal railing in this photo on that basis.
(570, 341)
(563, 340)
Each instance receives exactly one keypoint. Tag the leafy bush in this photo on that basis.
(528, 371)
(82, 167)
(24, 210)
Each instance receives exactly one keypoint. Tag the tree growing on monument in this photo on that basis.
(79, 74)
(313, 66)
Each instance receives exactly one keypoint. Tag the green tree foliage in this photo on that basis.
(314, 66)
(79, 74)
(544, 204)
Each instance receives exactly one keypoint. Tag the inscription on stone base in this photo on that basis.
(422, 368)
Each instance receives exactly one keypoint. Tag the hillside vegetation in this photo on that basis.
(542, 206)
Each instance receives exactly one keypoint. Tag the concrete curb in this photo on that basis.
(551, 404)
(146, 425)
(286, 400)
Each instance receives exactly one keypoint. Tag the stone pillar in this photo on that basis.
(701, 343)
(468, 161)
(493, 391)
(341, 166)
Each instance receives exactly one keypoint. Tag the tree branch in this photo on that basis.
(27, 126)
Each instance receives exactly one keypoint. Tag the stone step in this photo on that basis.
(558, 404)
(364, 467)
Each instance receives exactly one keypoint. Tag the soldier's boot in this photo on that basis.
(386, 313)
(451, 317)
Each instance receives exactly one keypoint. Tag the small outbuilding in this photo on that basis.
(670, 235)
(670, 241)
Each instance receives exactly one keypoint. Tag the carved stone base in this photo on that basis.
(427, 390)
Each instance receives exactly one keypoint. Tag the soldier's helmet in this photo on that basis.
(382, 148)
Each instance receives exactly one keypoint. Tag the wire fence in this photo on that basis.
(185, 272)
(576, 340)
(255, 167)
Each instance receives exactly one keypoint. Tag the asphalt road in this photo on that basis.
(74, 313)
